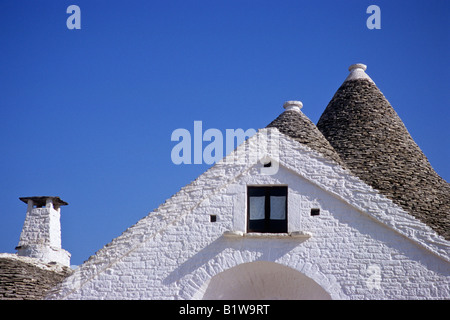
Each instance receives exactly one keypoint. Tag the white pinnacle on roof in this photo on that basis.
(357, 71)
(293, 105)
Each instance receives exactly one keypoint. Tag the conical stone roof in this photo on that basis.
(293, 123)
(371, 139)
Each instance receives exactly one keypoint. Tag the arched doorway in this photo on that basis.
(263, 280)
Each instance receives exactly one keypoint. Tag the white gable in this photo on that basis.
(176, 251)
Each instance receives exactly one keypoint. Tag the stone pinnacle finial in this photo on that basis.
(357, 71)
(357, 66)
(293, 105)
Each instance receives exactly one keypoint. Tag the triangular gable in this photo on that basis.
(267, 144)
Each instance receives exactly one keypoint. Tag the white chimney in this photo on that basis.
(41, 233)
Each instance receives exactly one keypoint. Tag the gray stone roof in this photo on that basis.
(371, 139)
(23, 278)
(298, 126)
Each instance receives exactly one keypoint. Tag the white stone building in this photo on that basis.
(284, 216)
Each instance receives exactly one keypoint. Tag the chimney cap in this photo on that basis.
(41, 201)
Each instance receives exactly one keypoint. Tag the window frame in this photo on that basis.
(267, 225)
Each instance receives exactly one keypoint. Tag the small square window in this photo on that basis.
(315, 212)
(267, 209)
(213, 218)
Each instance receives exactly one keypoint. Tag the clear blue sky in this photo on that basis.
(87, 114)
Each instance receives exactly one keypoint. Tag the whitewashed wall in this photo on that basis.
(361, 245)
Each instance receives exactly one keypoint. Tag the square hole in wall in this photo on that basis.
(315, 212)
(267, 165)
(213, 218)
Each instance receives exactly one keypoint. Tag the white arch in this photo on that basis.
(262, 280)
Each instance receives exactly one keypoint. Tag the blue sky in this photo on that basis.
(88, 114)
